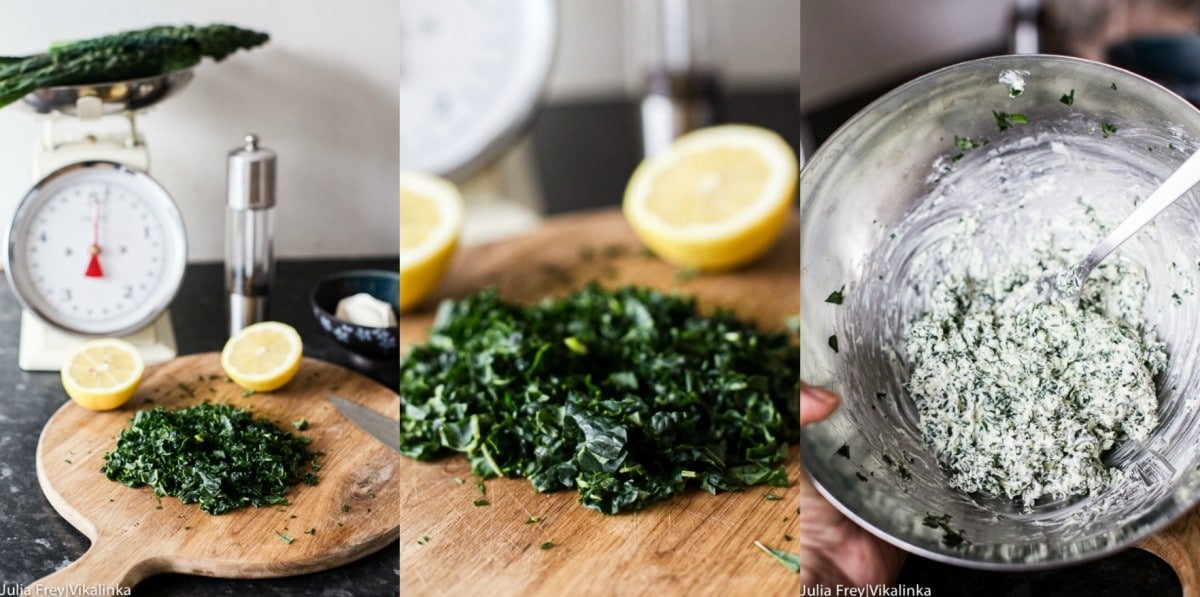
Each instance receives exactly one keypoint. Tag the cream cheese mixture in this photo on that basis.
(1024, 401)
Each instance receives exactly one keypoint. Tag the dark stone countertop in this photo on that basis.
(35, 540)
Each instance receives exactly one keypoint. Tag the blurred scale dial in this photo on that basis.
(470, 77)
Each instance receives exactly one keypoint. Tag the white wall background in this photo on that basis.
(321, 93)
(759, 43)
(849, 45)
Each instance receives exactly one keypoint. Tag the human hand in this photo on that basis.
(833, 550)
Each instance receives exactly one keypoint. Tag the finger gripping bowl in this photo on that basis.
(881, 201)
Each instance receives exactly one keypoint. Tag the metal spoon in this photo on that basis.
(1065, 285)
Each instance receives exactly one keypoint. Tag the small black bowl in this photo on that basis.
(372, 343)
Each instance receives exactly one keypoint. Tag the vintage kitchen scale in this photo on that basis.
(471, 77)
(96, 247)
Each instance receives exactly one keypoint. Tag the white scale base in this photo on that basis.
(44, 347)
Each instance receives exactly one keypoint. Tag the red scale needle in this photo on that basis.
(93, 268)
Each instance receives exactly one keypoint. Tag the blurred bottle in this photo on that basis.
(673, 50)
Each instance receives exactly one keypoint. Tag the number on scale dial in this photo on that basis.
(96, 248)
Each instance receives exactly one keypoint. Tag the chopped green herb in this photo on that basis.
(247, 393)
(662, 390)
(844, 451)
(950, 536)
(1175, 297)
(1005, 120)
(480, 486)
(787, 537)
(1114, 86)
(880, 395)
(1068, 98)
(770, 497)
(861, 477)
(547, 545)
(479, 503)
(1107, 128)
(533, 520)
(313, 531)
(300, 424)
(457, 481)
(575, 345)
(833, 342)
(218, 456)
(1014, 91)
(967, 144)
(345, 507)
(790, 560)
(285, 538)
(835, 297)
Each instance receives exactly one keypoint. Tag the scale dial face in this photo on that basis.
(96, 248)
(471, 73)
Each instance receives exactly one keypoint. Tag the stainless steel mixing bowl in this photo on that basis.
(881, 202)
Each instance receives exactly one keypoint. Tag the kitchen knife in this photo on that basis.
(380, 427)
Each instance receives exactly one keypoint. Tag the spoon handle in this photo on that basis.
(1180, 182)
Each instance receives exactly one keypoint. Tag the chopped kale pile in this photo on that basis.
(629, 396)
(213, 454)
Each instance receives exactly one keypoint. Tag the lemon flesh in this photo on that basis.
(263, 357)
(103, 374)
(716, 199)
(431, 215)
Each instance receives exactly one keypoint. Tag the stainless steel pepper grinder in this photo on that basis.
(250, 233)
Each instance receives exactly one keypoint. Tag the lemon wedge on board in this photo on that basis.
(431, 217)
(103, 374)
(263, 356)
(716, 199)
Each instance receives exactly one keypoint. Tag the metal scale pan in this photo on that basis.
(115, 97)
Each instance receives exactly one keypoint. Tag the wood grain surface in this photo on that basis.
(694, 544)
(135, 535)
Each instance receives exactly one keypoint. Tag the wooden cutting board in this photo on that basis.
(352, 511)
(695, 544)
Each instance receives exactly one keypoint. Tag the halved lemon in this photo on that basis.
(716, 199)
(103, 374)
(263, 356)
(431, 216)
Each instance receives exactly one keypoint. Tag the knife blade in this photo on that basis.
(380, 427)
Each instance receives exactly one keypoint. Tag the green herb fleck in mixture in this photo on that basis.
(967, 144)
(285, 538)
(1005, 121)
(216, 455)
(950, 536)
(1068, 98)
(479, 503)
(844, 451)
(533, 520)
(833, 343)
(1107, 128)
(835, 297)
(547, 545)
(663, 399)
